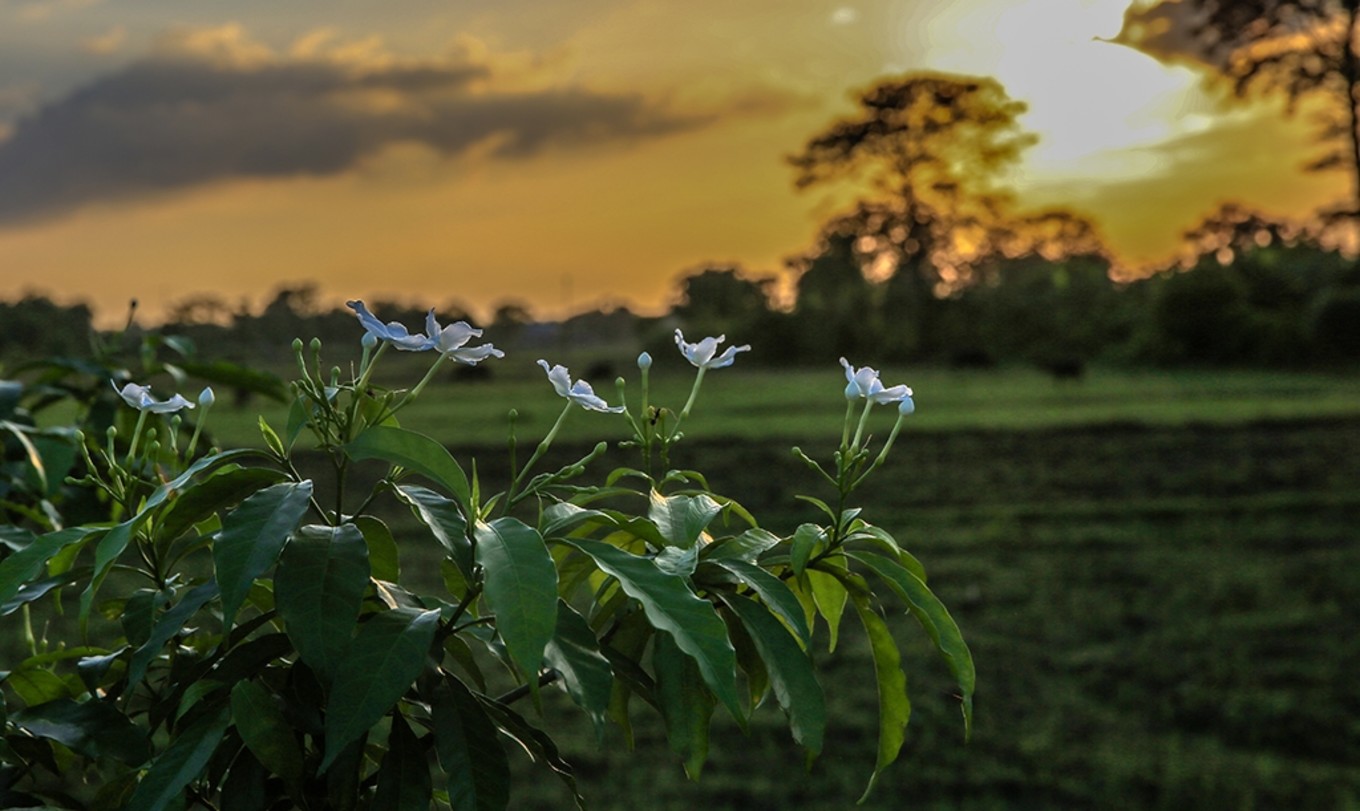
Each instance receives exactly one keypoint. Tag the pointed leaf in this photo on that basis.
(265, 731)
(252, 536)
(534, 741)
(318, 590)
(747, 546)
(829, 596)
(775, 595)
(18, 568)
(382, 548)
(95, 728)
(215, 493)
(686, 705)
(169, 624)
(445, 520)
(805, 539)
(521, 588)
(671, 605)
(404, 778)
(388, 654)
(181, 762)
(574, 652)
(678, 561)
(469, 750)
(681, 519)
(413, 451)
(791, 674)
(894, 708)
(106, 553)
(937, 622)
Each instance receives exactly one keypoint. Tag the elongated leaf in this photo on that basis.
(19, 568)
(791, 674)
(172, 488)
(574, 652)
(318, 591)
(682, 519)
(387, 655)
(534, 741)
(894, 708)
(94, 728)
(265, 731)
(106, 552)
(937, 622)
(413, 451)
(520, 583)
(36, 590)
(747, 546)
(446, 521)
(169, 624)
(218, 492)
(404, 778)
(678, 561)
(181, 762)
(774, 593)
(671, 606)
(252, 536)
(805, 539)
(686, 706)
(469, 750)
(382, 548)
(829, 596)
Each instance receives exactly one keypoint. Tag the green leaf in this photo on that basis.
(446, 521)
(252, 536)
(520, 583)
(574, 652)
(681, 519)
(94, 728)
(181, 762)
(937, 622)
(774, 593)
(413, 451)
(106, 552)
(382, 548)
(37, 685)
(18, 568)
(534, 741)
(894, 708)
(829, 595)
(468, 748)
(791, 674)
(670, 605)
(747, 546)
(265, 731)
(805, 538)
(388, 654)
(169, 624)
(686, 706)
(319, 589)
(212, 494)
(678, 561)
(404, 777)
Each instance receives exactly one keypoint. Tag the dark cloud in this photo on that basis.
(1164, 30)
(175, 121)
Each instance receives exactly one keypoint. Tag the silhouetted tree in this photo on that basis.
(1300, 48)
(717, 300)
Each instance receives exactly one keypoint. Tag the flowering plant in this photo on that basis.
(264, 642)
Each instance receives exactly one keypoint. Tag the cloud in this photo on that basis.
(108, 42)
(211, 104)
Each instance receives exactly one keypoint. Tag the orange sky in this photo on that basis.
(518, 151)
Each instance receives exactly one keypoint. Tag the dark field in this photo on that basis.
(1162, 617)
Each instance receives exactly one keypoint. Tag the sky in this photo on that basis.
(559, 155)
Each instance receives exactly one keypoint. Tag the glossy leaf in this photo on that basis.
(775, 595)
(318, 590)
(106, 553)
(94, 728)
(671, 606)
(805, 539)
(936, 621)
(181, 762)
(215, 493)
(790, 671)
(681, 519)
(574, 652)
(385, 657)
(165, 628)
(413, 451)
(469, 750)
(829, 596)
(520, 584)
(252, 536)
(265, 731)
(382, 548)
(894, 708)
(747, 546)
(534, 741)
(445, 520)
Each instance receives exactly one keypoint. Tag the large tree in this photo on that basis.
(1300, 48)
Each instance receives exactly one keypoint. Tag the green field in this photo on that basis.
(1157, 574)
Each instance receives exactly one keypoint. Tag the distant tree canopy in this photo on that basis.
(1301, 48)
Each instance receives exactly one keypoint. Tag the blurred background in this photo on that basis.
(1112, 245)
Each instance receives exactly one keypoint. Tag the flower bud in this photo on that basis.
(206, 397)
(297, 344)
(644, 361)
(369, 340)
(906, 406)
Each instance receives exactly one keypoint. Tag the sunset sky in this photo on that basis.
(560, 154)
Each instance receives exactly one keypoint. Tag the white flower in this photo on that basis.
(449, 341)
(864, 382)
(207, 397)
(579, 392)
(139, 397)
(392, 332)
(701, 354)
